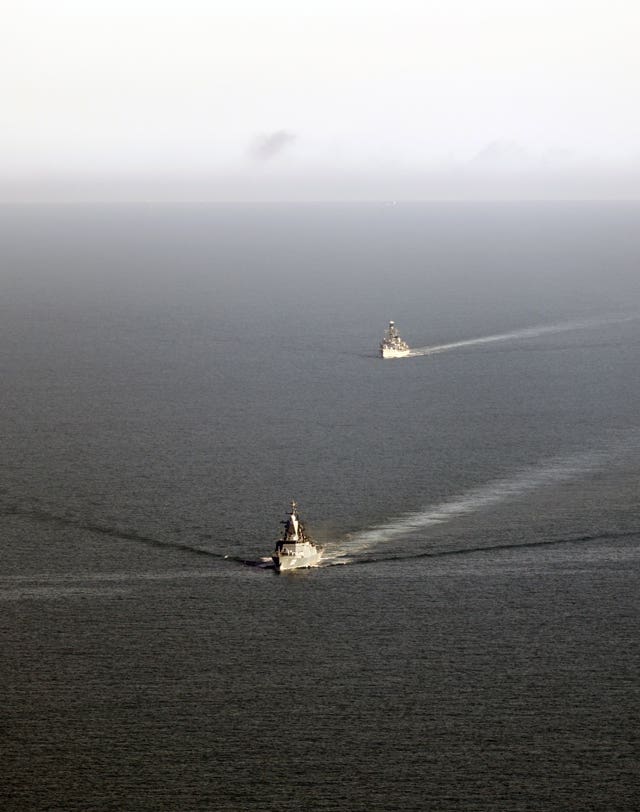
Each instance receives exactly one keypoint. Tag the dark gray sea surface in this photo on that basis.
(173, 375)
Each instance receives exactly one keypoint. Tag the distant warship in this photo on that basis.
(392, 346)
(295, 549)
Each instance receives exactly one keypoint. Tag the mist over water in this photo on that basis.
(174, 376)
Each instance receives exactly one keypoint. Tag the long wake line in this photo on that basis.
(105, 530)
(489, 548)
(484, 496)
(527, 332)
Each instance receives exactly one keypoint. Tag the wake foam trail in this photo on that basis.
(527, 332)
(488, 548)
(476, 499)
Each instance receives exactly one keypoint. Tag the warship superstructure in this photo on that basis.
(295, 549)
(392, 346)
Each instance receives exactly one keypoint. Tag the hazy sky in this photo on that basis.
(265, 100)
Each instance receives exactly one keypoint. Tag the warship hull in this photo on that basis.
(388, 352)
(392, 346)
(298, 556)
(295, 550)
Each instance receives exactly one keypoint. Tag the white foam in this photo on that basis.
(527, 332)
(474, 500)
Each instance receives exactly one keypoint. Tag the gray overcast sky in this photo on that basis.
(179, 99)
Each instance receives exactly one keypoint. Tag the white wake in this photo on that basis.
(474, 500)
(527, 332)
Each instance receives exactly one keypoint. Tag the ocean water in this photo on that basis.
(173, 375)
